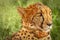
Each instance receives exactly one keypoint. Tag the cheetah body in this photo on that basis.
(24, 34)
(36, 23)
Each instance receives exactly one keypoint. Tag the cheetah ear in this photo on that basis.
(21, 10)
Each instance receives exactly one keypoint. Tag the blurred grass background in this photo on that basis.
(10, 20)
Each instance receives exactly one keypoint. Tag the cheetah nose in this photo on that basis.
(49, 24)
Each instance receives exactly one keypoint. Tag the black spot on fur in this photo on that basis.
(28, 38)
(21, 33)
(32, 38)
(23, 36)
(20, 38)
(48, 37)
(24, 33)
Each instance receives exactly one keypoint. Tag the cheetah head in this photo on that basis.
(36, 16)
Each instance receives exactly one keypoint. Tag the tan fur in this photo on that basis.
(35, 20)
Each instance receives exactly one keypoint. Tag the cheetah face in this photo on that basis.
(43, 18)
(37, 16)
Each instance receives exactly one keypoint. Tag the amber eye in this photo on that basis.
(41, 14)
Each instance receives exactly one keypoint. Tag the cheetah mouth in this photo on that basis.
(48, 28)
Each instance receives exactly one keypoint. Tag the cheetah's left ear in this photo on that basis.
(21, 10)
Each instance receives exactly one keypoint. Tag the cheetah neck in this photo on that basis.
(37, 33)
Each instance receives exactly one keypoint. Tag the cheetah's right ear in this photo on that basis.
(21, 10)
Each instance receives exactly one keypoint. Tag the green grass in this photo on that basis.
(10, 20)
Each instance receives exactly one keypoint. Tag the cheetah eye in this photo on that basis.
(41, 14)
(31, 25)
